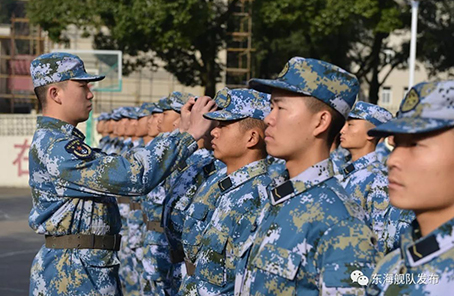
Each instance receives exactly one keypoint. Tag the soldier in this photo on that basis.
(156, 278)
(365, 178)
(307, 241)
(420, 179)
(238, 141)
(74, 187)
(102, 129)
(197, 169)
(135, 216)
(383, 150)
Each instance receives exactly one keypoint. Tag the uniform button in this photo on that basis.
(403, 270)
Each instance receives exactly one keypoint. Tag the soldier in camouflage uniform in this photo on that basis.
(383, 150)
(238, 141)
(157, 278)
(101, 128)
(308, 242)
(197, 169)
(365, 178)
(420, 179)
(74, 187)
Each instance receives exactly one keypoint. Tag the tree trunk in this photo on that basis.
(210, 74)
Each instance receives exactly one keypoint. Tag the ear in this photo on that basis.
(253, 138)
(54, 94)
(323, 121)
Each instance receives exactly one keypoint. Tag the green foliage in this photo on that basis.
(186, 34)
(436, 35)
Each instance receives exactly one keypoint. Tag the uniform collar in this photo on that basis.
(44, 122)
(311, 177)
(242, 175)
(139, 142)
(417, 250)
(359, 164)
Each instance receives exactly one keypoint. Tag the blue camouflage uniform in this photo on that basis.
(308, 241)
(160, 276)
(366, 182)
(339, 157)
(197, 216)
(423, 265)
(383, 151)
(237, 207)
(74, 190)
(103, 117)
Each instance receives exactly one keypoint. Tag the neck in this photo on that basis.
(430, 220)
(358, 153)
(305, 159)
(147, 139)
(235, 164)
(59, 116)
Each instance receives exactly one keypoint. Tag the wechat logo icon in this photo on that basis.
(358, 277)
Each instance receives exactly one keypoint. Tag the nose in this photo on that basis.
(214, 132)
(342, 131)
(270, 119)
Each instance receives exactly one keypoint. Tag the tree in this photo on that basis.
(352, 34)
(186, 34)
(435, 45)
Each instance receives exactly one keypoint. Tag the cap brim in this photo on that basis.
(267, 86)
(88, 77)
(223, 115)
(409, 125)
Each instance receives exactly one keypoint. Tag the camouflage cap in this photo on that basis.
(243, 103)
(428, 106)
(59, 66)
(163, 104)
(149, 108)
(321, 80)
(103, 116)
(178, 99)
(128, 112)
(374, 114)
(115, 115)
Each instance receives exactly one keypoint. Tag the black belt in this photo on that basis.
(84, 241)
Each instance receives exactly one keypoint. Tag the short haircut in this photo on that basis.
(337, 120)
(41, 91)
(250, 123)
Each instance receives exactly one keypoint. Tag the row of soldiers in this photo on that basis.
(280, 189)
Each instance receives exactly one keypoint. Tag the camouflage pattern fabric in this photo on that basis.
(366, 182)
(230, 228)
(57, 67)
(421, 266)
(307, 241)
(321, 80)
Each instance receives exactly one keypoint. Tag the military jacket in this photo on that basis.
(73, 191)
(382, 152)
(421, 266)
(230, 227)
(103, 141)
(366, 182)
(199, 166)
(307, 242)
(199, 213)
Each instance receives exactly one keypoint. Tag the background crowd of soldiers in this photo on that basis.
(152, 251)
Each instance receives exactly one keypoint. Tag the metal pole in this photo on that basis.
(414, 29)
